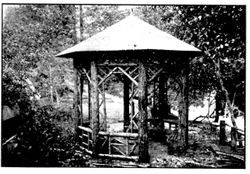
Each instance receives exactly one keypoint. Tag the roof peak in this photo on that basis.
(130, 33)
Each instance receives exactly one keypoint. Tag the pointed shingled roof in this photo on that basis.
(130, 33)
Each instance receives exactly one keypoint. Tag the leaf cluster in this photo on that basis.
(42, 142)
(220, 31)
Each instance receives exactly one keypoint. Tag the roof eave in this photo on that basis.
(93, 52)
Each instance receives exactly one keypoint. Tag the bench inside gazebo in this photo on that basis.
(143, 58)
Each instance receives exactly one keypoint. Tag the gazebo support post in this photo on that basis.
(77, 97)
(81, 99)
(89, 103)
(166, 105)
(154, 94)
(104, 108)
(183, 109)
(126, 103)
(186, 104)
(162, 101)
(142, 123)
(94, 100)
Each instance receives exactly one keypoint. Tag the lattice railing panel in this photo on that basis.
(124, 145)
(86, 139)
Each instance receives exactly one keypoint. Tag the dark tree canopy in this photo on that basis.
(220, 31)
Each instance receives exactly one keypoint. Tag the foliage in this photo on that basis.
(32, 35)
(160, 16)
(96, 18)
(28, 35)
(41, 141)
(16, 92)
(220, 32)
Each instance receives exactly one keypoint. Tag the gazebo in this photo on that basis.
(143, 57)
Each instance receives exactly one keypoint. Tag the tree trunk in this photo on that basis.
(77, 94)
(51, 85)
(104, 108)
(222, 132)
(89, 102)
(220, 104)
(224, 90)
(126, 103)
(217, 107)
(183, 110)
(234, 138)
(78, 23)
(142, 123)
(77, 97)
(57, 98)
(163, 103)
(81, 101)
(94, 107)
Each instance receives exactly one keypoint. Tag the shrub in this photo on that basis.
(42, 141)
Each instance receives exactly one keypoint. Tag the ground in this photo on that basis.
(40, 147)
(159, 158)
(201, 156)
(204, 150)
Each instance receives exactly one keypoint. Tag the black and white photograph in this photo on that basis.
(123, 86)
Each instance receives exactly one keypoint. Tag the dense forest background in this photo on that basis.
(42, 85)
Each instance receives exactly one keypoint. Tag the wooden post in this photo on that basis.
(234, 138)
(154, 94)
(89, 102)
(104, 107)
(109, 144)
(94, 100)
(186, 102)
(127, 146)
(126, 103)
(132, 114)
(222, 132)
(167, 106)
(142, 123)
(77, 97)
(81, 101)
(183, 110)
(240, 140)
(219, 104)
(132, 108)
(162, 101)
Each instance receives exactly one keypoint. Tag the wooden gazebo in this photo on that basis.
(145, 57)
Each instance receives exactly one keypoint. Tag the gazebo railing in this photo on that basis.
(86, 139)
(118, 145)
(114, 145)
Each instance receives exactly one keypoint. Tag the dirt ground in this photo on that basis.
(204, 152)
